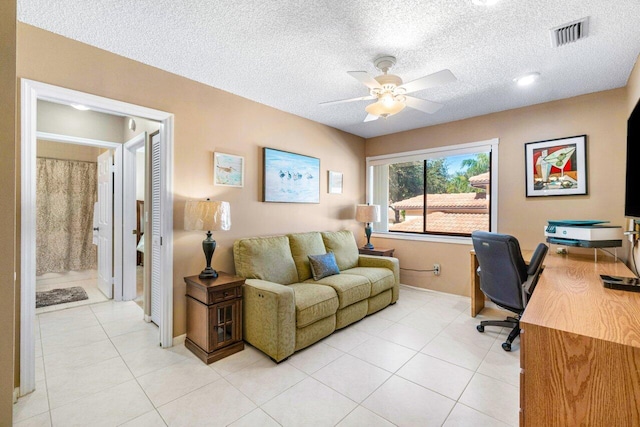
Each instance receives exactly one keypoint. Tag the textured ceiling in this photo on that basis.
(293, 55)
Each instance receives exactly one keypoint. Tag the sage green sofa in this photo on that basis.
(285, 309)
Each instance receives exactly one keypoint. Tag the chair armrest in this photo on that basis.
(269, 318)
(534, 270)
(537, 258)
(381, 261)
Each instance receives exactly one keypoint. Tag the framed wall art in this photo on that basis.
(228, 170)
(290, 177)
(335, 182)
(556, 167)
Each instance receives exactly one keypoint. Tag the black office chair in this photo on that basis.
(505, 278)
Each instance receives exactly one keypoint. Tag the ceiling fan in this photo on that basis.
(391, 93)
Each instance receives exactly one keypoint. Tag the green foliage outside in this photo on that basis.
(459, 182)
(406, 180)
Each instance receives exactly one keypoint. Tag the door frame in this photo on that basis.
(31, 92)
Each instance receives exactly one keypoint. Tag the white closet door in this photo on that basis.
(156, 221)
(105, 230)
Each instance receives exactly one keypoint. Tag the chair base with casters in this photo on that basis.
(509, 322)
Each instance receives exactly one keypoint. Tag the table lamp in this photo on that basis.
(368, 214)
(211, 216)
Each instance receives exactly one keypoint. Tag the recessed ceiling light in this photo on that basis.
(80, 107)
(484, 2)
(527, 79)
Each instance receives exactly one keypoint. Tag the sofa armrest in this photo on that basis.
(381, 261)
(269, 318)
(384, 262)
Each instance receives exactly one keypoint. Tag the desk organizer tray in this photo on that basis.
(622, 283)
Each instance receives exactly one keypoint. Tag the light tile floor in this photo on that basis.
(420, 362)
(87, 279)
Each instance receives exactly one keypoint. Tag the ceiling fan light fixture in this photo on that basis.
(384, 108)
(527, 79)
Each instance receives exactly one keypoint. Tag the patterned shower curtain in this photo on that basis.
(65, 193)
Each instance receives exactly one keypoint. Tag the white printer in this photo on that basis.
(585, 234)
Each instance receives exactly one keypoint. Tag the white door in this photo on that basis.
(105, 229)
(129, 216)
(156, 229)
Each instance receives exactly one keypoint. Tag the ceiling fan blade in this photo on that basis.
(423, 105)
(362, 98)
(370, 118)
(435, 79)
(365, 78)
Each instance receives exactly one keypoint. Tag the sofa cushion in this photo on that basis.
(265, 258)
(302, 245)
(343, 245)
(313, 302)
(349, 287)
(381, 279)
(323, 265)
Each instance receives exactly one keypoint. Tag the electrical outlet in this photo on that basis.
(436, 269)
(561, 250)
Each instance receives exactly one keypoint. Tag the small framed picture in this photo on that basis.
(228, 170)
(335, 182)
(557, 167)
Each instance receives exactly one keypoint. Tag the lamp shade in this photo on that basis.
(207, 215)
(368, 213)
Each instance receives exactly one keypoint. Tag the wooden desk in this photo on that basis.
(580, 347)
(477, 296)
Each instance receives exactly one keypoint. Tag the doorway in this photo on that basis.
(66, 193)
(31, 92)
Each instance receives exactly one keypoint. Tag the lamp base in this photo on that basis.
(209, 246)
(208, 273)
(367, 232)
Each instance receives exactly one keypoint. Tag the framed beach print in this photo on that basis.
(556, 167)
(335, 182)
(228, 170)
(290, 177)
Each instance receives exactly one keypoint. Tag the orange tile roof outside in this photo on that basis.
(480, 181)
(444, 222)
(441, 201)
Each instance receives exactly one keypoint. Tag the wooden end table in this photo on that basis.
(376, 251)
(214, 316)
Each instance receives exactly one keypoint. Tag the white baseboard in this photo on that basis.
(16, 394)
(179, 340)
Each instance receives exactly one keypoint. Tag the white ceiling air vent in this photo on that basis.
(569, 33)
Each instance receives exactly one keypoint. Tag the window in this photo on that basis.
(446, 191)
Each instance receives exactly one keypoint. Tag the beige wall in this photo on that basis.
(633, 87)
(601, 116)
(66, 120)
(142, 125)
(206, 120)
(63, 151)
(7, 207)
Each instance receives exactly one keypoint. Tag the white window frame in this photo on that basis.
(431, 153)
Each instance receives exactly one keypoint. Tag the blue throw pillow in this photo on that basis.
(323, 265)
